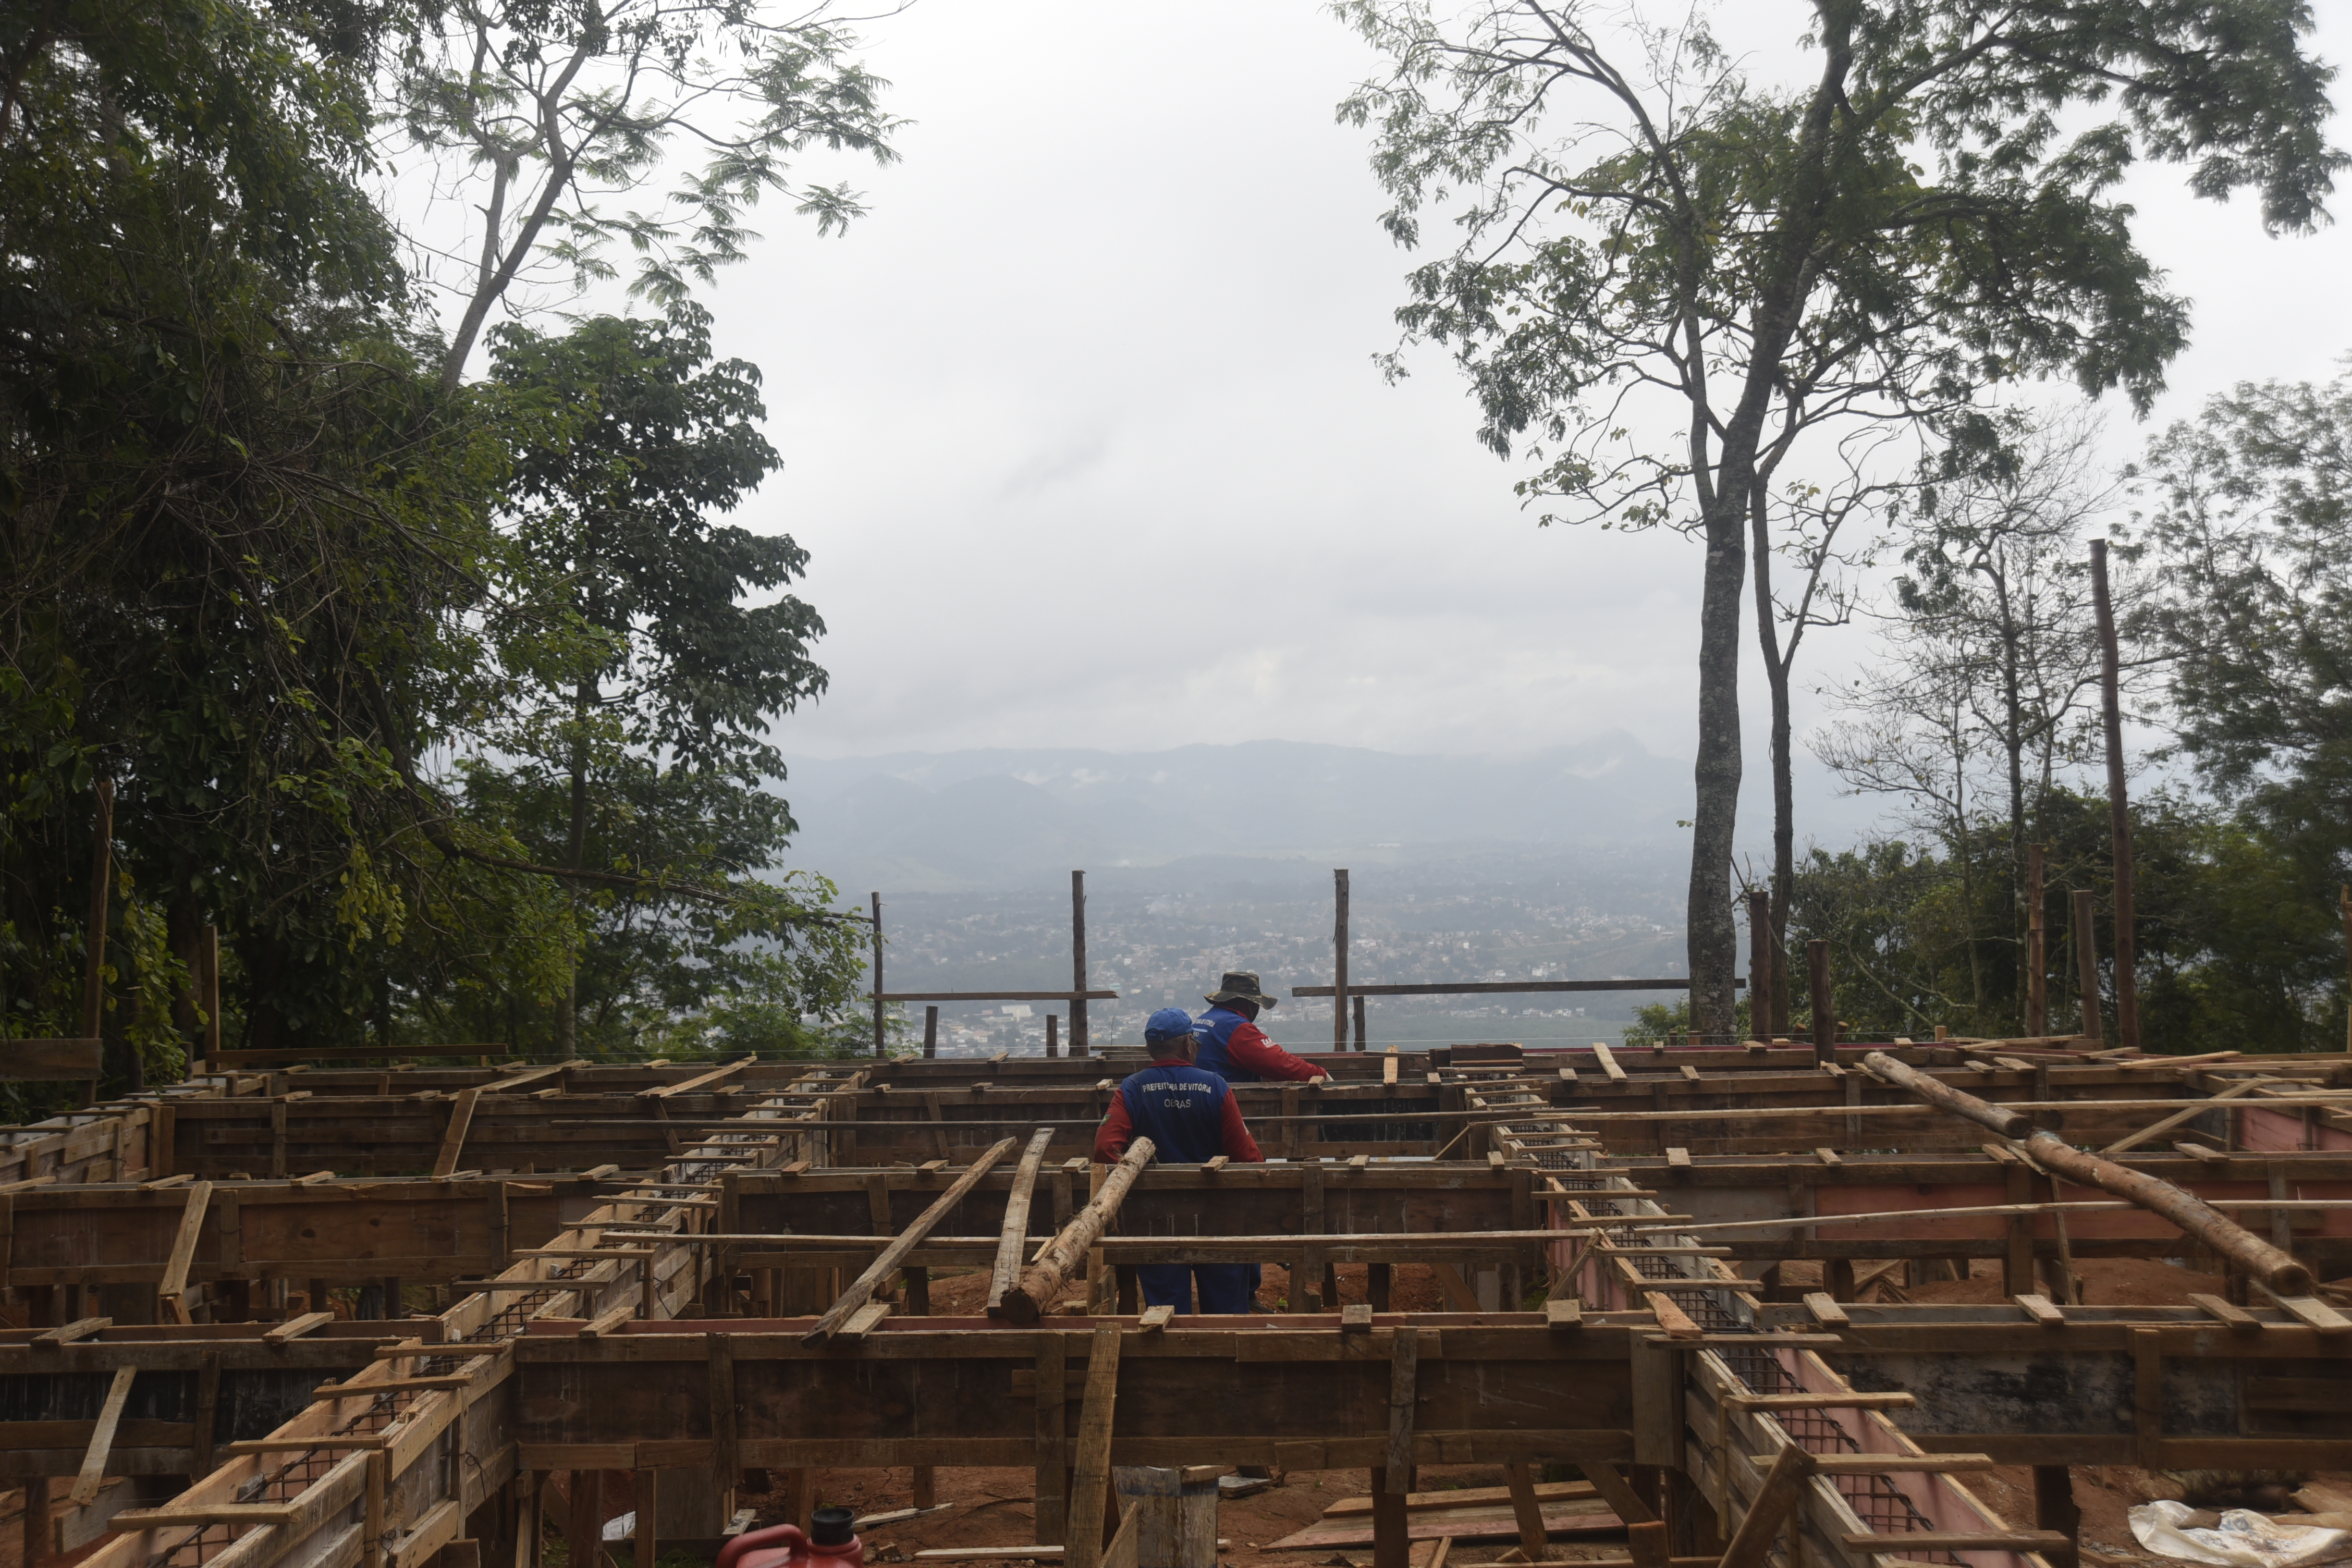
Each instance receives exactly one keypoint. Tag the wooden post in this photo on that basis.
(2037, 945)
(1392, 1546)
(208, 991)
(1759, 964)
(1526, 1510)
(878, 1035)
(101, 878)
(1053, 1031)
(648, 1510)
(1817, 961)
(2118, 800)
(36, 1521)
(584, 1532)
(2054, 1509)
(1359, 1000)
(931, 1031)
(1090, 1490)
(1339, 961)
(1080, 1037)
(2344, 897)
(2087, 962)
(1053, 1439)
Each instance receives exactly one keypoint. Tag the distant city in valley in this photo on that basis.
(1568, 864)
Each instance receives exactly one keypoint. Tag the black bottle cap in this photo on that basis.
(832, 1528)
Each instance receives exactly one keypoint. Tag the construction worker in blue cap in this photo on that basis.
(1191, 1117)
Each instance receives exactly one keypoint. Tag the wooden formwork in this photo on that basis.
(598, 1320)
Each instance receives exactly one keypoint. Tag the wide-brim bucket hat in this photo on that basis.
(1239, 985)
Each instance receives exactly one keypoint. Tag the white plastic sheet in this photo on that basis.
(2242, 1540)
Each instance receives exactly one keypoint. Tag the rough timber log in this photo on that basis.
(2277, 1269)
(1042, 1284)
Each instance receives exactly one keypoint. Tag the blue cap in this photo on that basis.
(1167, 1023)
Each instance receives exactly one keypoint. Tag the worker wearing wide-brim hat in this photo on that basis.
(1233, 1045)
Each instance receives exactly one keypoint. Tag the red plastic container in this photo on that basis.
(831, 1545)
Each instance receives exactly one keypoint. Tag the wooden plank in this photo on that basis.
(1825, 1309)
(1782, 1490)
(1528, 1512)
(2041, 1309)
(727, 1457)
(50, 1061)
(2213, 1307)
(295, 1328)
(1012, 1241)
(1404, 1362)
(1091, 1486)
(862, 1288)
(171, 1295)
(79, 1329)
(689, 1086)
(1613, 1490)
(101, 1441)
(1608, 1061)
(453, 1141)
(1954, 1540)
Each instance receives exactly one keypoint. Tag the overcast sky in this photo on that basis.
(1083, 430)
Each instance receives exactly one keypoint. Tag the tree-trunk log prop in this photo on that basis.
(1042, 1284)
(2277, 1270)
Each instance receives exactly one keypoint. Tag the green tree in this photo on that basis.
(2250, 526)
(239, 542)
(1648, 240)
(552, 111)
(649, 683)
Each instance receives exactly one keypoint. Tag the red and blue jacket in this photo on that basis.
(1238, 1051)
(1191, 1117)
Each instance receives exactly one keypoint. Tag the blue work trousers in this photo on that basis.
(1225, 1287)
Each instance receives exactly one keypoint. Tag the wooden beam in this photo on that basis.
(688, 1086)
(453, 1143)
(1013, 1239)
(1082, 1545)
(1404, 1364)
(1526, 1510)
(171, 1295)
(1782, 1490)
(893, 1256)
(101, 1441)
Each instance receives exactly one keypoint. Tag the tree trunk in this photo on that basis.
(1713, 940)
(1768, 1009)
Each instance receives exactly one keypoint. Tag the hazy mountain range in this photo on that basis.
(972, 819)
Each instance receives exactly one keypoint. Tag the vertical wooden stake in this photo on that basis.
(2037, 945)
(378, 1465)
(2344, 897)
(1080, 1038)
(1052, 1029)
(1053, 1418)
(879, 1036)
(1817, 962)
(101, 878)
(1090, 1490)
(584, 1534)
(529, 1552)
(2086, 963)
(36, 1521)
(1759, 964)
(1339, 961)
(648, 1514)
(1391, 1543)
(1359, 1000)
(931, 1031)
(2054, 1509)
(208, 993)
(2118, 800)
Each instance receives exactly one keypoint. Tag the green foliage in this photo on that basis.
(254, 571)
(2251, 531)
(2237, 947)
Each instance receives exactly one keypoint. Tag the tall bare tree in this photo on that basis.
(1650, 241)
